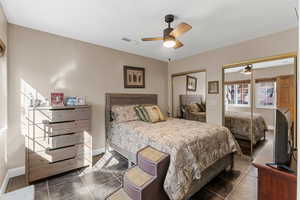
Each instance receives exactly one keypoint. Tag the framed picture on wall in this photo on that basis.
(191, 83)
(134, 77)
(213, 87)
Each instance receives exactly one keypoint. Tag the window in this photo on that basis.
(266, 94)
(237, 94)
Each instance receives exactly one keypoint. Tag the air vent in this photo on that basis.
(126, 39)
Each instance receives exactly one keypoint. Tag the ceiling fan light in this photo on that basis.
(169, 43)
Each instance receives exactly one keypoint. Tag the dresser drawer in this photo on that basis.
(50, 169)
(67, 127)
(54, 129)
(60, 141)
(39, 158)
(59, 115)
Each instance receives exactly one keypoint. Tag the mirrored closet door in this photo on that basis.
(189, 95)
(238, 105)
(259, 100)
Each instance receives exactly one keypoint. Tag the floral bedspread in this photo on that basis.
(193, 147)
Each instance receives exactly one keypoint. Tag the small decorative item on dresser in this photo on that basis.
(57, 99)
(213, 87)
(134, 77)
(80, 101)
(71, 101)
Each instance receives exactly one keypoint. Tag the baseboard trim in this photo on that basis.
(10, 174)
(98, 151)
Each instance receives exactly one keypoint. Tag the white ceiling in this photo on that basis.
(216, 23)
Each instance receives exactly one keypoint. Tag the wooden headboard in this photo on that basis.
(112, 99)
(189, 99)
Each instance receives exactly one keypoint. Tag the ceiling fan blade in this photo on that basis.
(152, 39)
(178, 44)
(180, 29)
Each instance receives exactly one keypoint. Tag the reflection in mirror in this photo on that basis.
(275, 101)
(189, 96)
(238, 106)
(253, 95)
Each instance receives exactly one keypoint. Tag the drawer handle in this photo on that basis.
(50, 149)
(62, 160)
(61, 122)
(62, 109)
(53, 136)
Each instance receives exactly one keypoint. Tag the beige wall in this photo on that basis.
(3, 68)
(212, 61)
(267, 113)
(46, 63)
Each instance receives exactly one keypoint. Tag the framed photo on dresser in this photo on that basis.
(134, 77)
(57, 99)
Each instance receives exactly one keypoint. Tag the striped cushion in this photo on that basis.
(140, 113)
(202, 107)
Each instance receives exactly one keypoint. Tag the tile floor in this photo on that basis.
(106, 176)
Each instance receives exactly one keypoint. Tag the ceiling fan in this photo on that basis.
(170, 35)
(247, 70)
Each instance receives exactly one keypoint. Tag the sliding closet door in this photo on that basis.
(238, 106)
(189, 88)
(179, 88)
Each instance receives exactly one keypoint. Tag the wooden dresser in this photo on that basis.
(57, 140)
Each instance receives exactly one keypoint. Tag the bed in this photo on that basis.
(199, 151)
(239, 123)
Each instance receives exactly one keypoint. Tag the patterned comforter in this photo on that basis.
(193, 147)
(239, 123)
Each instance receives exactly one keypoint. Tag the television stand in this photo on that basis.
(274, 184)
(281, 167)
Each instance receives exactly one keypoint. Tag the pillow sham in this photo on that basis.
(154, 113)
(124, 113)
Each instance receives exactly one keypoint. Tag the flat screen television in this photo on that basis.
(282, 148)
